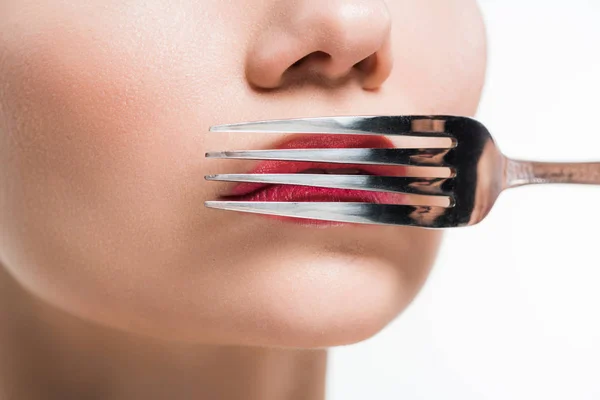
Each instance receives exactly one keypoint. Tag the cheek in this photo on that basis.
(440, 55)
(100, 155)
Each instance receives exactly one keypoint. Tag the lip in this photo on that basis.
(296, 193)
(278, 192)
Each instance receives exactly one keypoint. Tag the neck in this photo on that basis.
(65, 355)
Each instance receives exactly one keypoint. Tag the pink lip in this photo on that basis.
(293, 193)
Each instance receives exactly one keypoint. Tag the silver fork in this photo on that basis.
(479, 172)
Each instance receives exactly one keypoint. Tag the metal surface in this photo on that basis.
(480, 171)
(393, 184)
(417, 157)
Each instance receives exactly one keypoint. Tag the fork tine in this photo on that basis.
(362, 213)
(384, 156)
(358, 125)
(393, 184)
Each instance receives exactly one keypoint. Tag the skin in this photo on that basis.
(106, 250)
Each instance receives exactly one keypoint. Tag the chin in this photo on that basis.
(316, 302)
(294, 287)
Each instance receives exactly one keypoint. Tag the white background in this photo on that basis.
(512, 309)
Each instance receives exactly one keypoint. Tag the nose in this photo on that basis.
(326, 41)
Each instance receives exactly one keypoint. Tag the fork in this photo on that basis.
(478, 171)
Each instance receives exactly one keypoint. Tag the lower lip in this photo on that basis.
(295, 193)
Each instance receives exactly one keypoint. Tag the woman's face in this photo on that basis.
(104, 112)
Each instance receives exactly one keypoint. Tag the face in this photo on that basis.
(104, 111)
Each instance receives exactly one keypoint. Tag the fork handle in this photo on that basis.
(519, 173)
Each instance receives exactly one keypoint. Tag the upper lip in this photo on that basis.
(318, 142)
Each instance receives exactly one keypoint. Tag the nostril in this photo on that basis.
(366, 64)
(317, 61)
(299, 62)
(316, 56)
